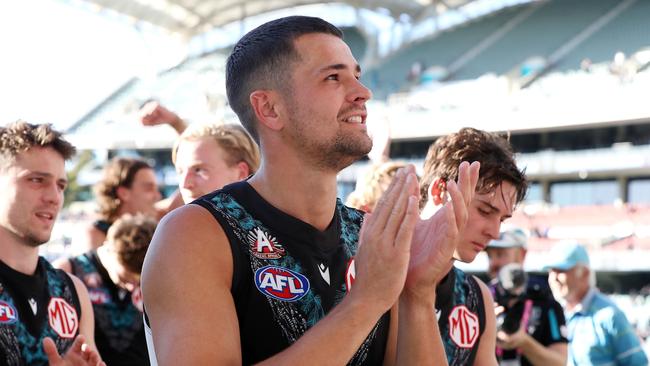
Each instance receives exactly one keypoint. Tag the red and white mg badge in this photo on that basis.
(463, 327)
(63, 317)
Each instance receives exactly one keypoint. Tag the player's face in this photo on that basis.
(202, 168)
(326, 107)
(486, 213)
(499, 257)
(143, 193)
(32, 195)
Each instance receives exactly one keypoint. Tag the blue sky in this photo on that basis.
(60, 58)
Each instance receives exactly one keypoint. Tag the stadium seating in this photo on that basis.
(389, 76)
(534, 36)
(628, 32)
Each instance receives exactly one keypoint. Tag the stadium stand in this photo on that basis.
(534, 37)
(628, 33)
(389, 75)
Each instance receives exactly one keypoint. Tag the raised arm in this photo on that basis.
(153, 113)
(434, 241)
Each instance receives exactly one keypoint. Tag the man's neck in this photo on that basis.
(305, 194)
(16, 254)
(577, 299)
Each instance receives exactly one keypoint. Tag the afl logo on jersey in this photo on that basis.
(264, 246)
(281, 283)
(463, 327)
(8, 313)
(63, 318)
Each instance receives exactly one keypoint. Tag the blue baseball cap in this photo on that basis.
(513, 238)
(566, 255)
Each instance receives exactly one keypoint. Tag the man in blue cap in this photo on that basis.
(598, 331)
(539, 334)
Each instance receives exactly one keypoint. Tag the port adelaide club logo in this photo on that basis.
(281, 283)
(264, 246)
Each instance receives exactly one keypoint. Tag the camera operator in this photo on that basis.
(531, 327)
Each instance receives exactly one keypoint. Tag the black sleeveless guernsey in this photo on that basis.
(287, 275)
(119, 330)
(461, 316)
(32, 308)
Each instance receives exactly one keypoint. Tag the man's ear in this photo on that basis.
(437, 191)
(243, 170)
(265, 106)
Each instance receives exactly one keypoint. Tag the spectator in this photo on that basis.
(539, 337)
(598, 331)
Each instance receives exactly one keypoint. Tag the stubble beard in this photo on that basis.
(333, 154)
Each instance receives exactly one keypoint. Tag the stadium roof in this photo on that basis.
(192, 17)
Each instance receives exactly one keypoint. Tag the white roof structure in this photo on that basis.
(193, 17)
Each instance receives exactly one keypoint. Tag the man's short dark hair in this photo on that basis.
(493, 151)
(262, 59)
(21, 136)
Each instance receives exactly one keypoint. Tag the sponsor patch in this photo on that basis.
(63, 317)
(8, 313)
(463, 327)
(263, 245)
(98, 297)
(350, 274)
(281, 283)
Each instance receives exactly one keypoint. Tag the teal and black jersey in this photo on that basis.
(44, 304)
(119, 329)
(461, 316)
(287, 275)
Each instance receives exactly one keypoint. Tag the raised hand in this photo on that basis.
(79, 354)
(385, 239)
(435, 239)
(153, 113)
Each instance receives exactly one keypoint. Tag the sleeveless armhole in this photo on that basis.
(234, 249)
(73, 290)
(481, 305)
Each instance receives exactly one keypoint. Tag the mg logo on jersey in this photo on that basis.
(281, 283)
(350, 274)
(264, 246)
(463, 327)
(8, 313)
(63, 318)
